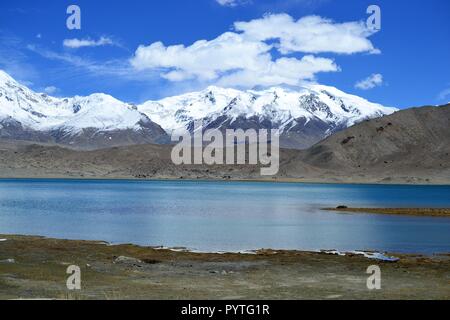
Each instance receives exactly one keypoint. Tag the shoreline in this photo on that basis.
(275, 181)
(416, 212)
(368, 254)
(35, 268)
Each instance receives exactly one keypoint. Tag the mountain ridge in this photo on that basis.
(304, 116)
(94, 121)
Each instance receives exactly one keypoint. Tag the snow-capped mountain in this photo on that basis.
(98, 120)
(303, 116)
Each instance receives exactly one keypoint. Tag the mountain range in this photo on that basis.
(304, 115)
(95, 121)
(410, 146)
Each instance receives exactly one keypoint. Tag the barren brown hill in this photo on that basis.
(410, 146)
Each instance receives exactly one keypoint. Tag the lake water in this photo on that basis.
(225, 216)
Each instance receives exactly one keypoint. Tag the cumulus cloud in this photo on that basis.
(80, 43)
(374, 80)
(245, 56)
(205, 60)
(311, 34)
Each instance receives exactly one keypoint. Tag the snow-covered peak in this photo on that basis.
(279, 105)
(326, 109)
(334, 94)
(100, 111)
(42, 112)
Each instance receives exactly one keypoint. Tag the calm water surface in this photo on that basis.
(225, 216)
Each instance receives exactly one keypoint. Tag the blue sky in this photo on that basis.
(137, 50)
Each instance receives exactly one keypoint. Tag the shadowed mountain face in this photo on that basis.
(86, 138)
(301, 135)
(410, 146)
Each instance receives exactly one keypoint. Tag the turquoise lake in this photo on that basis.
(225, 216)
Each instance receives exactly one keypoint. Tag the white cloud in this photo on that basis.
(80, 43)
(311, 34)
(245, 57)
(229, 60)
(289, 71)
(444, 94)
(374, 80)
(232, 3)
(51, 90)
(205, 60)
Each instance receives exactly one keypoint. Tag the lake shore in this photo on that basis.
(318, 181)
(421, 212)
(153, 162)
(35, 267)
